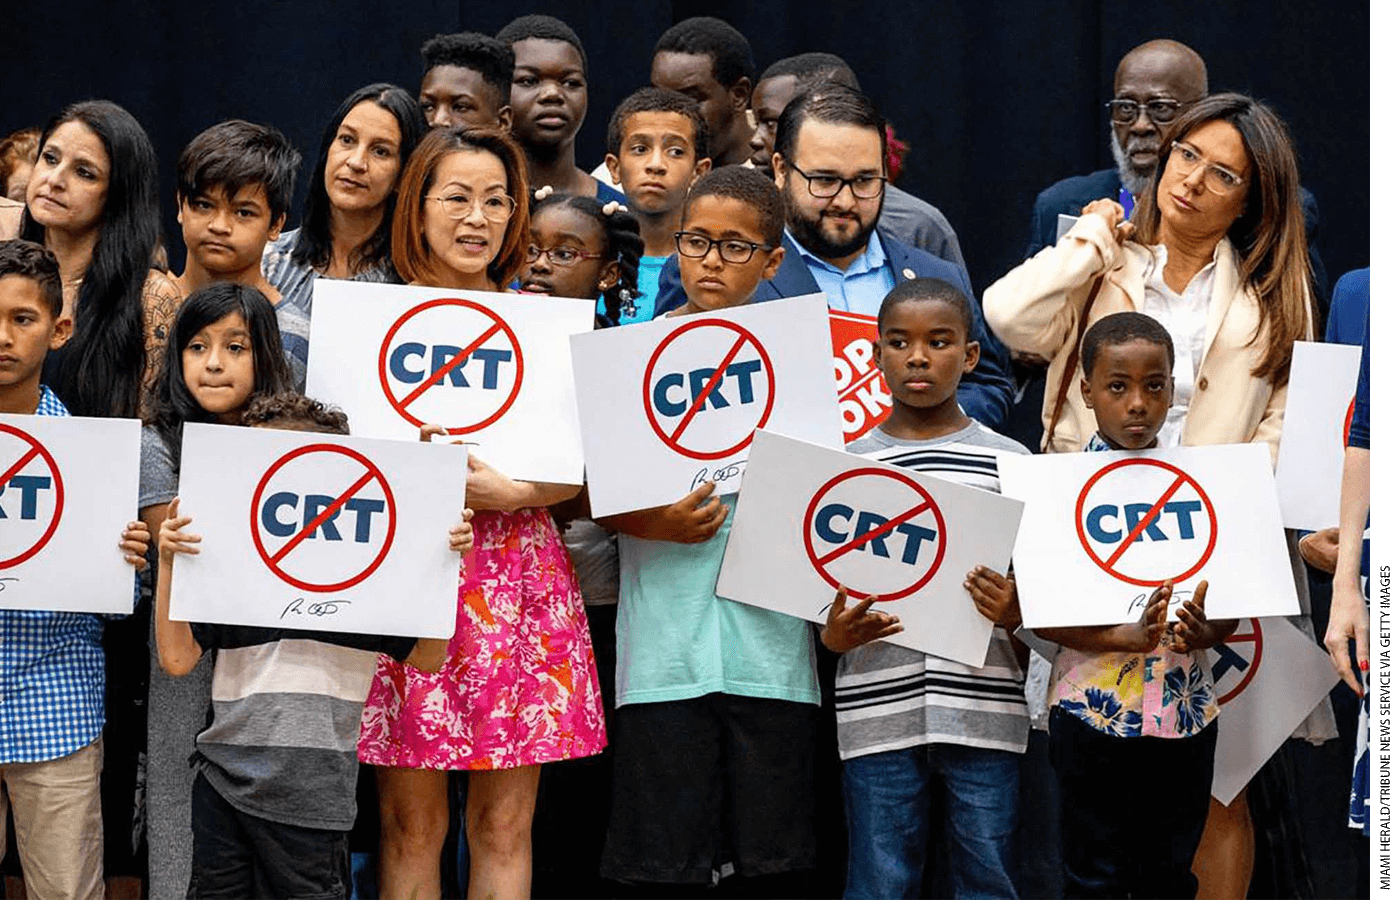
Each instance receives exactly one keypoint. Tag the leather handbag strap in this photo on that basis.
(1071, 365)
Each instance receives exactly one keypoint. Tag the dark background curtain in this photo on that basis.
(997, 100)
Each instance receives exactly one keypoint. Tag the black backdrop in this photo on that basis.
(997, 100)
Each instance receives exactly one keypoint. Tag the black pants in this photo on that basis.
(239, 856)
(1132, 809)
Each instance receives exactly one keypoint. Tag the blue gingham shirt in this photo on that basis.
(51, 672)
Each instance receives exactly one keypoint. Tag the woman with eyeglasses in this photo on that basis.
(1215, 252)
(519, 687)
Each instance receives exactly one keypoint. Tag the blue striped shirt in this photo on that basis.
(51, 672)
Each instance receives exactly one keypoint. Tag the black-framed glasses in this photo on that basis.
(495, 207)
(863, 187)
(559, 256)
(1185, 160)
(1161, 110)
(731, 250)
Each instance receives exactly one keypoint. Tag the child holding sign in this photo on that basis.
(52, 679)
(903, 717)
(274, 797)
(717, 701)
(1129, 699)
(223, 349)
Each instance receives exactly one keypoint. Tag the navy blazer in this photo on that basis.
(1071, 195)
(984, 393)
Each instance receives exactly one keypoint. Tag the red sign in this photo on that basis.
(33, 456)
(861, 392)
(1238, 660)
(668, 369)
(869, 529)
(1182, 496)
(484, 326)
(357, 570)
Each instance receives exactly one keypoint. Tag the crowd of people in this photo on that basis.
(601, 723)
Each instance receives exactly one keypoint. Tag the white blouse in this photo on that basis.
(1184, 316)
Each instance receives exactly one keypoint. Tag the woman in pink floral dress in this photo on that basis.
(520, 687)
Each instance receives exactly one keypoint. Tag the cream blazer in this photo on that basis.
(1035, 308)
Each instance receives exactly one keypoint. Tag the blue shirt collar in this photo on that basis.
(871, 259)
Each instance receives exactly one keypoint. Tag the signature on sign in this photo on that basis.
(5, 582)
(733, 470)
(299, 607)
(1178, 598)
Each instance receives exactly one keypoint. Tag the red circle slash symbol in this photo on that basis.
(923, 503)
(30, 451)
(277, 560)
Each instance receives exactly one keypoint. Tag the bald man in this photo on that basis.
(1152, 85)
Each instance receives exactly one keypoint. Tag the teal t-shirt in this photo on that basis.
(648, 283)
(677, 640)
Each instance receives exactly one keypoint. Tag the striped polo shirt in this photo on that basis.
(893, 698)
(287, 704)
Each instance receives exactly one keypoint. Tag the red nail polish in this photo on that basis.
(1364, 665)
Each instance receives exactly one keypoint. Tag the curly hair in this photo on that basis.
(295, 412)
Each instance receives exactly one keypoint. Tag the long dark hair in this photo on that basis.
(100, 372)
(1268, 235)
(313, 246)
(171, 403)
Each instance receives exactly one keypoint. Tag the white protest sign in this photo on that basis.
(1316, 419)
(63, 506)
(861, 391)
(1102, 530)
(669, 404)
(1063, 223)
(319, 531)
(1268, 676)
(810, 518)
(493, 369)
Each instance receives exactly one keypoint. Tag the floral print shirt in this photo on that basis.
(1158, 694)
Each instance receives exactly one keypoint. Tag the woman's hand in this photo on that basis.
(172, 539)
(489, 489)
(136, 540)
(1349, 621)
(847, 629)
(1319, 549)
(1111, 213)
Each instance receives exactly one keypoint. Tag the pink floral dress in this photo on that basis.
(519, 687)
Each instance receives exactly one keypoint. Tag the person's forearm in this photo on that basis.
(1355, 506)
(175, 644)
(1094, 638)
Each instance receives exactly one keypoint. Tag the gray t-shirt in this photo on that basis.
(159, 480)
(893, 698)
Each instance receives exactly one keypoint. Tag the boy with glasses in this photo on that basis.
(718, 714)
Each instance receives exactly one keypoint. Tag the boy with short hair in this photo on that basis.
(234, 182)
(273, 801)
(549, 98)
(658, 145)
(1139, 697)
(717, 701)
(903, 717)
(52, 676)
(466, 81)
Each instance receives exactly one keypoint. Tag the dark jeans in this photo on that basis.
(887, 813)
(1132, 809)
(238, 856)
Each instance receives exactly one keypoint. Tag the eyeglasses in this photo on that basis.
(1126, 112)
(495, 207)
(863, 187)
(731, 250)
(1185, 160)
(559, 256)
